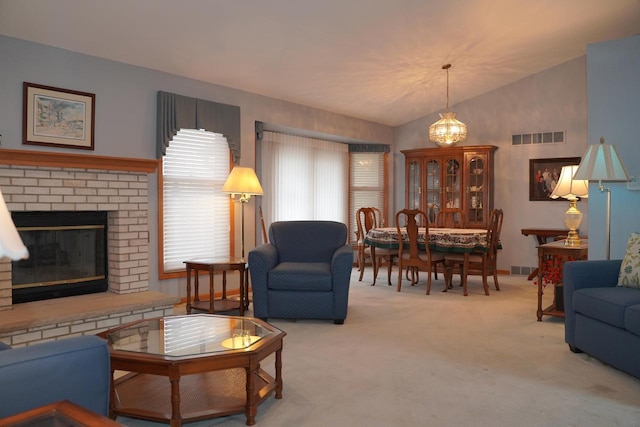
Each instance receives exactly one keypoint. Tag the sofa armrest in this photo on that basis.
(341, 267)
(77, 369)
(262, 259)
(580, 275)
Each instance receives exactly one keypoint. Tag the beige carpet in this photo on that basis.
(408, 359)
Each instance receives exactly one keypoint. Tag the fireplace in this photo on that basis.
(67, 255)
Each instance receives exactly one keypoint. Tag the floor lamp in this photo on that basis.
(602, 163)
(243, 182)
(11, 245)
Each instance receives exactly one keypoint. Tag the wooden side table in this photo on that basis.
(213, 265)
(557, 248)
(542, 236)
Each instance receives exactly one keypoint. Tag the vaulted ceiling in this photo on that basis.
(378, 60)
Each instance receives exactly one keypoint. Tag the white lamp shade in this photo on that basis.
(602, 163)
(10, 242)
(568, 187)
(242, 180)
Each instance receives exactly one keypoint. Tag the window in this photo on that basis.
(367, 184)
(194, 213)
(304, 178)
(311, 178)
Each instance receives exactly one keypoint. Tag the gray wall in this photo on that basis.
(613, 70)
(553, 100)
(126, 116)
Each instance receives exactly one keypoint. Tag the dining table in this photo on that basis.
(458, 240)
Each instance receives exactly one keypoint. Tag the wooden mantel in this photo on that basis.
(81, 161)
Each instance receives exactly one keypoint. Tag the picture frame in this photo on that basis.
(58, 117)
(543, 172)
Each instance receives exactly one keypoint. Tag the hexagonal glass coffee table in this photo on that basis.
(212, 362)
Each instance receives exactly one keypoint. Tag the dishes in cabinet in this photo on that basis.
(477, 171)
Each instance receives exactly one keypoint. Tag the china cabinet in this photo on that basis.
(456, 177)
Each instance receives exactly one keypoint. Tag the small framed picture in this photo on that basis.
(544, 174)
(58, 117)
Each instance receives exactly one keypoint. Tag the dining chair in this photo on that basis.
(450, 218)
(409, 253)
(482, 263)
(445, 218)
(366, 219)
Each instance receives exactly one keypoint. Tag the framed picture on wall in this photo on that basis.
(58, 117)
(544, 174)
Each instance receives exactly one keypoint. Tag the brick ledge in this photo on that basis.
(42, 313)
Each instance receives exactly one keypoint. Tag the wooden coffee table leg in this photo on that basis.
(251, 409)
(279, 373)
(176, 417)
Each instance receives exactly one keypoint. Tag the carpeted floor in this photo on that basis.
(408, 359)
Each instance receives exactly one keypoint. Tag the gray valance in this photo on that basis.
(369, 148)
(177, 112)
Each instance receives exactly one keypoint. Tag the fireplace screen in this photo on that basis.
(67, 255)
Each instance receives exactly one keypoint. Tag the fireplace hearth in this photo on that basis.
(67, 255)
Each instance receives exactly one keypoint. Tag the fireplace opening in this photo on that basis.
(67, 255)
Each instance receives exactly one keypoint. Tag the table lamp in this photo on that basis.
(243, 182)
(602, 163)
(11, 245)
(571, 189)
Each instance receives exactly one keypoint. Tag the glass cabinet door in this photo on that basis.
(414, 192)
(433, 191)
(452, 184)
(476, 190)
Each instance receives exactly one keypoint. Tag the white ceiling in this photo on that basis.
(378, 60)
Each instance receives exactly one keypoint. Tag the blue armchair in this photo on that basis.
(303, 272)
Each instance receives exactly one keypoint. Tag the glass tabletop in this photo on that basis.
(190, 335)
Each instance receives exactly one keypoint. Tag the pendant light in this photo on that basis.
(447, 131)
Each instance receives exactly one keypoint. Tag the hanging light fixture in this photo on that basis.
(448, 130)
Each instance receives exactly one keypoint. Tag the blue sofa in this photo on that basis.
(601, 318)
(77, 369)
(303, 272)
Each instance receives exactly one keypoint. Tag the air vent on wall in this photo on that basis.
(538, 138)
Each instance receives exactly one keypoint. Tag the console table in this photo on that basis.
(557, 248)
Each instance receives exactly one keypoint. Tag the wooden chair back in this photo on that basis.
(366, 219)
(451, 218)
(493, 237)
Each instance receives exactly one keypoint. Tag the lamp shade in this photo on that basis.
(568, 187)
(242, 180)
(602, 163)
(10, 242)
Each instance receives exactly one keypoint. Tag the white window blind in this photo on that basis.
(304, 178)
(196, 214)
(367, 186)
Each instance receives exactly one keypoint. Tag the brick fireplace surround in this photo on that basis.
(43, 181)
